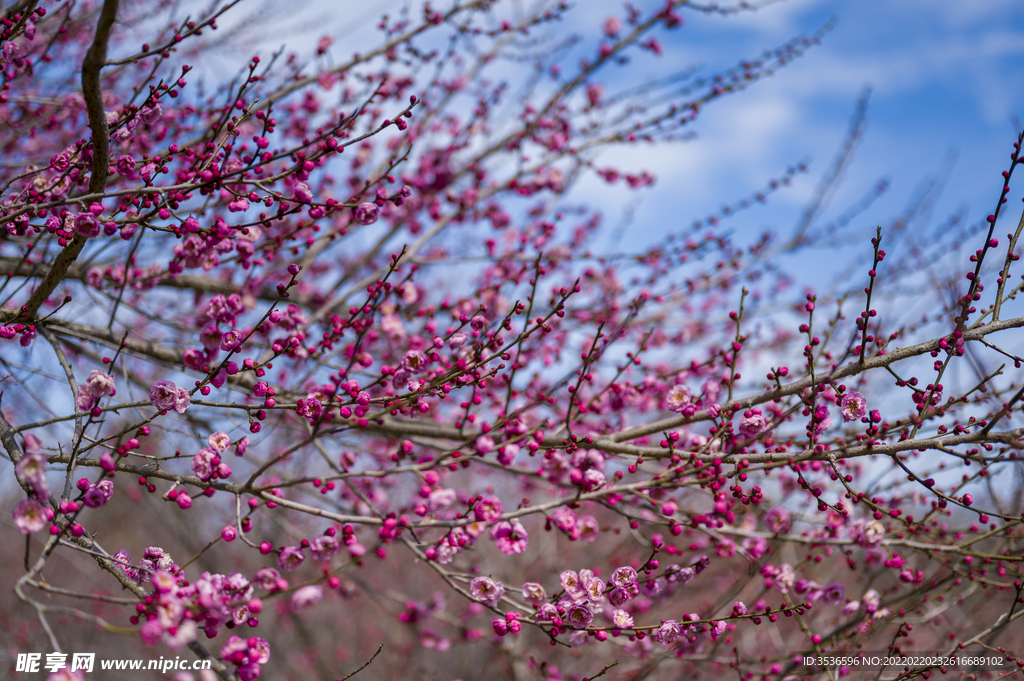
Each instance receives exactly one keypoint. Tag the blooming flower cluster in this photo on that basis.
(166, 396)
(869, 533)
(99, 385)
(247, 655)
(486, 590)
(29, 516)
(427, 342)
(31, 471)
(177, 609)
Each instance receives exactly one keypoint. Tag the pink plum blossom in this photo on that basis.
(306, 597)
(853, 406)
(166, 396)
(28, 516)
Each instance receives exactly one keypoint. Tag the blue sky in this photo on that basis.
(947, 79)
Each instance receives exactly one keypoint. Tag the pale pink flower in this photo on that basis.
(219, 441)
(484, 444)
(678, 397)
(457, 340)
(392, 325)
(259, 650)
(712, 389)
(164, 581)
(668, 632)
(324, 547)
(234, 644)
(681, 575)
(510, 537)
(302, 192)
(507, 454)
(100, 493)
(165, 396)
(445, 551)
(595, 589)
(32, 443)
(29, 516)
(570, 581)
(579, 616)
(784, 580)
(588, 528)
(874, 533)
(100, 383)
(547, 612)
(564, 519)
(853, 406)
(486, 590)
(867, 533)
(534, 592)
(778, 520)
(186, 633)
(11, 51)
(202, 463)
(291, 557)
(32, 471)
(653, 587)
(84, 399)
(755, 546)
(593, 479)
(239, 205)
(822, 419)
(488, 509)
(871, 601)
(306, 597)
(151, 632)
(753, 425)
(266, 578)
(622, 619)
(623, 576)
(441, 499)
